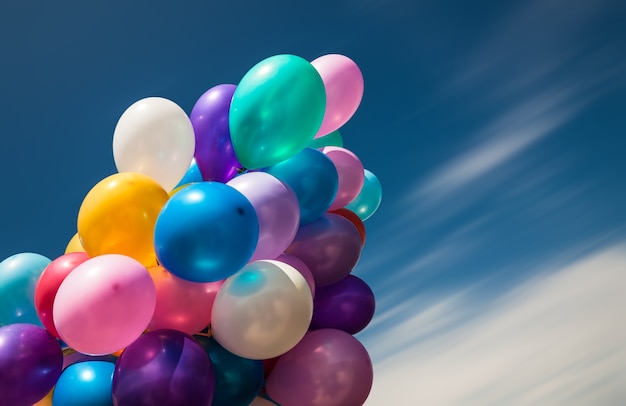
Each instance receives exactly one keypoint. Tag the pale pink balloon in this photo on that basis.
(350, 173)
(301, 267)
(343, 82)
(104, 304)
(180, 304)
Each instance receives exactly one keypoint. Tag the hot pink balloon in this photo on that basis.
(104, 304)
(343, 82)
(301, 267)
(181, 304)
(277, 209)
(350, 173)
(326, 368)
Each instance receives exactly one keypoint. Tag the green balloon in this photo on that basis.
(368, 199)
(276, 110)
(333, 139)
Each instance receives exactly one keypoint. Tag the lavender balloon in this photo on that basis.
(326, 368)
(164, 367)
(30, 364)
(277, 209)
(330, 246)
(214, 154)
(347, 305)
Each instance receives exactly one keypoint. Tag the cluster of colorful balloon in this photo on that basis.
(215, 267)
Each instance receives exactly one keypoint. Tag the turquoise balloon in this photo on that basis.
(85, 383)
(313, 178)
(368, 199)
(18, 277)
(333, 139)
(276, 110)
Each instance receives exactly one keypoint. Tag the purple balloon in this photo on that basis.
(164, 367)
(30, 364)
(330, 246)
(326, 368)
(347, 305)
(277, 209)
(214, 154)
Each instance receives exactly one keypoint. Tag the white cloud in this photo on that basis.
(559, 339)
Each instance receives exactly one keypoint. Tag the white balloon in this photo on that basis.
(154, 136)
(263, 310)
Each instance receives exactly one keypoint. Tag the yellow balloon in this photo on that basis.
(74, 245)
(118, 215)
(179, 188)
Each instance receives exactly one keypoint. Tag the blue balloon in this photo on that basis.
(18, 278)
(85, 383)
(206, 232)
(192, 175)
(314, 179)
(237, 379)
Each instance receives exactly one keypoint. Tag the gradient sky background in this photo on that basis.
(497, 129)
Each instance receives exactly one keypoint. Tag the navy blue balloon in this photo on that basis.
(314, 179)
(237, 379)
(85, 383)
(206, 232)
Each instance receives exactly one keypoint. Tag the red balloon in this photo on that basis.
(48, 285)
(354, 219)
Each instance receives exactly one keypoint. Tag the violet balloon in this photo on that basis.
(214, 153)
(350, 173)
(164, 367)
(347, 305)
(330, 246)
(30, 364)
(326, 368)
(277, 209)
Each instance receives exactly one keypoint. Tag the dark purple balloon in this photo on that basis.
(164, 367)
(30, 364)
(330, 246)
(214, 154)
(347, 305)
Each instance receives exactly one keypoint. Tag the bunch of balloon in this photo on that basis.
(216, 267)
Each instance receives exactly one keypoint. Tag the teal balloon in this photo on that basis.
(368, 199)
(18, 278)
(333, 139)
(313, 178)
(85, 383)
(276, 110)
(237, 379)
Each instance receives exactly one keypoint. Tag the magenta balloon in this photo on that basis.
(277, 209)
(350, 172)
(104, 304)
(347, 305)
(30, 363)
(301, 267)
(214, 153)
(343, 82)
(330, 246)
(326, 368)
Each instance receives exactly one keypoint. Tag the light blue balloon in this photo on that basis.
(85, 383)
(18, 278)
(314, 179)
(206, 232)
(192, 175)
(368, 199)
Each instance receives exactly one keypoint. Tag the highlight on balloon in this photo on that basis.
(216, 267)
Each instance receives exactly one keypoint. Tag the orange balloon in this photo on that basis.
(118, 216)
(354, 219)
(74, 245)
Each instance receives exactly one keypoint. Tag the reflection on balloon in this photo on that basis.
(30, 364)
(154, 137)
(164, 367)
(118, 215)
(19, 274)
(327, 368)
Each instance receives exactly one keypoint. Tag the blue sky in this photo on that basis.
(496, 129)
